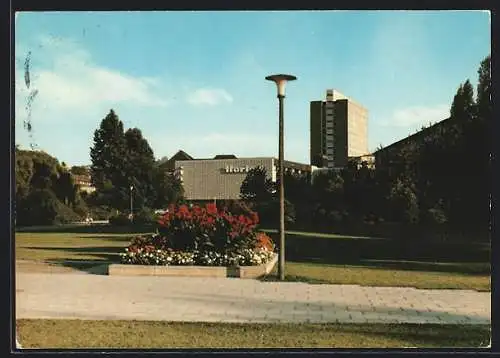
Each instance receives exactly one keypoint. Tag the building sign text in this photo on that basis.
(232, 169)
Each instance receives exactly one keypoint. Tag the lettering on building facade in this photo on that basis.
(232, 169)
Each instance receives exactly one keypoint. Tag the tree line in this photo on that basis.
(122, 160)
(439, 178)
(46, 192)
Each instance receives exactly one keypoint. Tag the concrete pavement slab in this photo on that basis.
(65, 295)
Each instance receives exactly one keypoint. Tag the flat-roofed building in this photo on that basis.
(221, 179)
(338, 130)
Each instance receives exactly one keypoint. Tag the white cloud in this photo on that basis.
(417, 116)
(209, 96)
(70, 80)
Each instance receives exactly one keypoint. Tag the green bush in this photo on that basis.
(81, 208)
(236, 207)
(335, 217)
(120, 220)
(269, 212)
(41, 207)
(403, 203)
(436, 215)
(101, 212)
(38, 208)
(145, 216)
(65, 215)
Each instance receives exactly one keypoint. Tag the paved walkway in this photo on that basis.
(87, 296)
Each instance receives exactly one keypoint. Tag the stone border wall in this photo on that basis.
(193, 271)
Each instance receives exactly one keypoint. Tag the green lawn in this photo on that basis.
(314, 258)
(320, 235)
(48, 246)
(332, 258)
(148, 334)
(372, 276)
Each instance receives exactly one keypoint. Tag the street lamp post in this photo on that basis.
(280, 81)
(131, 203)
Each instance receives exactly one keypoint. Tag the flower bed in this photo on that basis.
(199, 236)
(191, 270)
(247, 257)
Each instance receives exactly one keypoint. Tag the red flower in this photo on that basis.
(264, 241)
(211, 208)
(166, 217)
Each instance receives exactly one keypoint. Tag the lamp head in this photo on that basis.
(280, 81)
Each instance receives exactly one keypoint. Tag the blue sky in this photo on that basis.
(195, 80)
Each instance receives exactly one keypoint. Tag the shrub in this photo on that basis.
(436, 215)
(65, 215)
(202, 236)
(41, 207)
(236, 207)
(403, 202)
(206, 229)
(145, 216)
(38, 208)
(335, 216)
(120, 220)
(80, 208)
(270, 212)
(100, 212)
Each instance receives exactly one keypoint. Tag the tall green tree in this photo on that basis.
(168, 189)
(260, 192)
(298, 192)
(477, 149)
(140, 164)
(108, 155)
(328, 189)
(67, 189)
(403, 202)
(257, 187)
(483, 97)
(463, 103)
